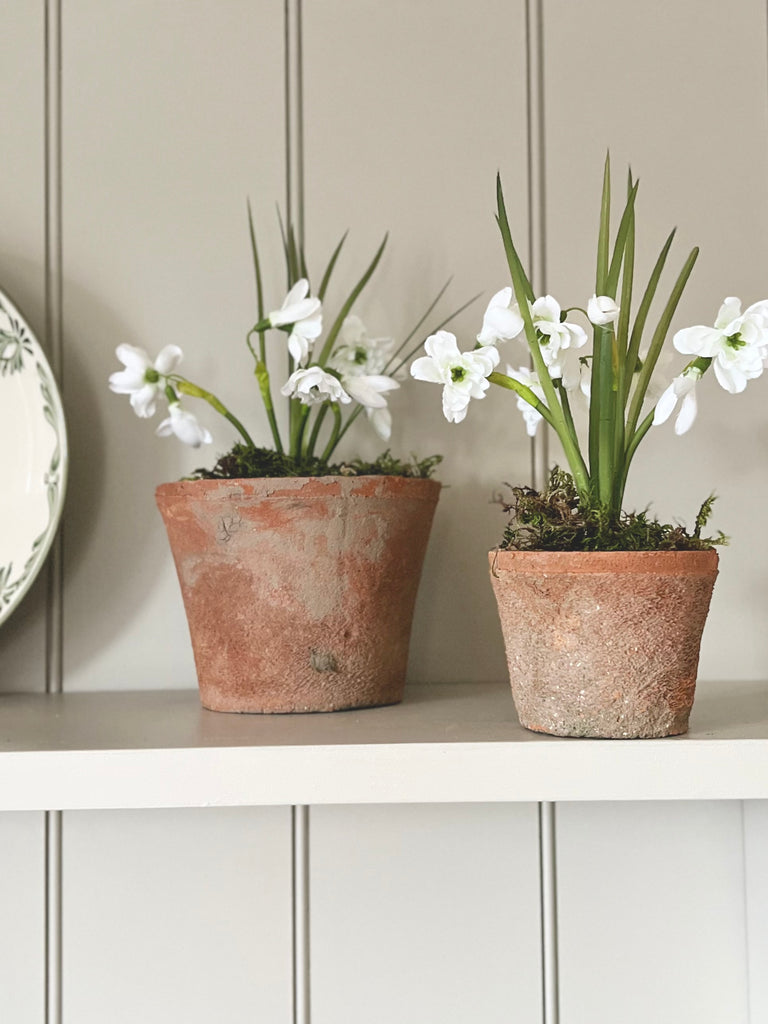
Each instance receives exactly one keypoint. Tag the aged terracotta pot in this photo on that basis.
(603, 644)
(299, 592)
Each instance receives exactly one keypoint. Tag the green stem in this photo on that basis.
(186, 387)
(262, 376)
(333, 440)
(310, 447)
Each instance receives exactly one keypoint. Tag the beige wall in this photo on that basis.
(172, 113)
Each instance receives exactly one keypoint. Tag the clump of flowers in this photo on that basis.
(328, 380)
(618, 377)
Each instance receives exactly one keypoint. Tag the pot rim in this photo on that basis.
(320, 487)
(669, 563)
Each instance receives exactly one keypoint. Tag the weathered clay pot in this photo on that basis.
(603, 644)
(299, 592)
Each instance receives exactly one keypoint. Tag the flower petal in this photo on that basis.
(168, 359)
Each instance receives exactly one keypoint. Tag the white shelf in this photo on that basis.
(449, 743)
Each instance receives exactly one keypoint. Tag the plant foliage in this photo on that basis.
(560, 519)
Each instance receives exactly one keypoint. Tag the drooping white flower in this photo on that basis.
(369, 391)
(682, 387)
(602, 310)
(304, 317)
(531, 380)
(501, 320)
(357, 354)
(462, 374)
(554, 335)
(313, 385)
(184, 425)
(737, 344)
(142, 379)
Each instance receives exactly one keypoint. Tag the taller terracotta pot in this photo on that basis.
(299, 592)
(603, 644)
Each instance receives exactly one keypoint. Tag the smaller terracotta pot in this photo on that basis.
(299, 592)
(603, 644)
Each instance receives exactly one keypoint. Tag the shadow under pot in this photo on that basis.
(603, 644)
(299, 592)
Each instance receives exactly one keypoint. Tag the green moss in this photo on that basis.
(558, 520)
(244, 462)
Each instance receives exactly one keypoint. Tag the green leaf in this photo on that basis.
(603, 238)
(633, 352)
(625, 225)
(345, 309)
(657, 342)
(329, 269)
(256, 264)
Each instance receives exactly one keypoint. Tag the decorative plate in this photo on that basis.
(33, 457)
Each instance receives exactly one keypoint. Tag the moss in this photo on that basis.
(242, 462)
(557, 519)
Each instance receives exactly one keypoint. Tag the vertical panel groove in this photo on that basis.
(550, 983)
(301, 951)
(745, 907)
(294, 119)
(537, 254)
(54, 607)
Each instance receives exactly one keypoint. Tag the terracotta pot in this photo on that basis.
(603, 644)
(299, 592)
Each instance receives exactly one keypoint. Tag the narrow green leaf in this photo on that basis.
(633, 352)
(627, 217)
(345, 309)
(515, 266)
(329, 269)
(603, 238)
(657, 342)
(256, 264)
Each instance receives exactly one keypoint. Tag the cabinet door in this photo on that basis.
(177, 916)
(651, 913)
(425, 913)
(22, 917)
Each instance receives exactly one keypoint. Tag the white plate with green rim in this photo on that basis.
(33, 457)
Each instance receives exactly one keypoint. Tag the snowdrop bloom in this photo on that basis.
(303, 315)
(357, 354)
(602, 310)
(682, 387)
(554, 336)
(142, 379)
(462, 374)
(501, 320)
(737, 344)
(531, 380)
(369, 391)
(313, 386)
(184, 425)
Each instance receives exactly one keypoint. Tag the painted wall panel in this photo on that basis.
(22, 211)
(653, 98)
(410, 110)
(424, 913)
(651, 913)
(173, 115)
(756, 889)
(22, 918)
(177, 915)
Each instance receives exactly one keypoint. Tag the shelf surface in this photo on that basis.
(444, 743)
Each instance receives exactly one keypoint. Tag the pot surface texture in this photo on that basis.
(299, 591)
(603, 644)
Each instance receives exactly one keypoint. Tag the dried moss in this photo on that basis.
(557, 519)
(242, 462)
